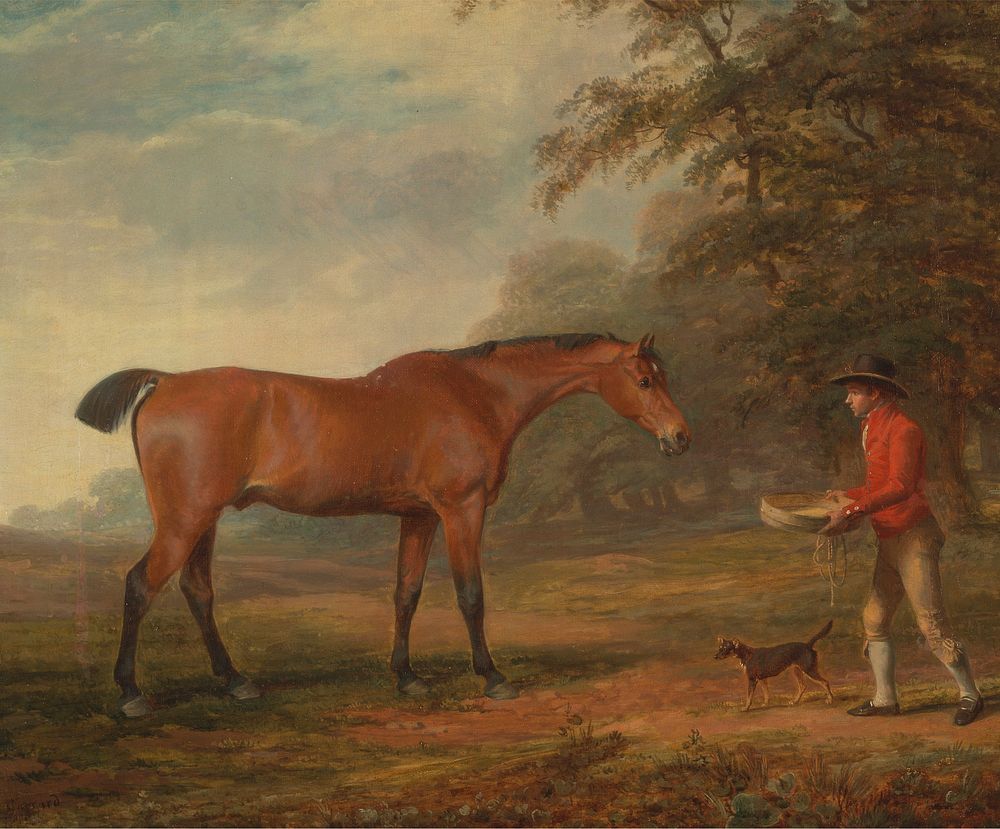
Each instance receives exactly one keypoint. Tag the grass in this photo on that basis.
(624, 719)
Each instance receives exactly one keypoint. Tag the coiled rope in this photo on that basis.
(832, 544)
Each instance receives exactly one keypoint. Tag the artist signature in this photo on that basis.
(11, 810)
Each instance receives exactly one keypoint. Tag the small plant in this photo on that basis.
(30, 776)
(959, 753)
(840, 791)
(752, 810)
(970, 789)
(734, 771)
(910, 782)
(693, 751)
(581, 748)
(231, 745)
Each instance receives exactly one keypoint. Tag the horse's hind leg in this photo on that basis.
(167, 553)
(416, 534)
(196, 584)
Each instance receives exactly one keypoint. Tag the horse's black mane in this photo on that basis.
(566, 342)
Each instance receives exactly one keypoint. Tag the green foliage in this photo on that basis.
(752, 810)
(120, 499)
(862, 147)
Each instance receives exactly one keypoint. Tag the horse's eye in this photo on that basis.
(644, 383)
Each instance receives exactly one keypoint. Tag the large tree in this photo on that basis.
(855, 150)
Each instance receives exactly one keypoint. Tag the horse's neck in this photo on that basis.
(529, 384)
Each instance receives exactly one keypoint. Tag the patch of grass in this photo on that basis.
(310, 750)
(702, 784)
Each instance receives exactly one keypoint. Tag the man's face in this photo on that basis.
(862, 398)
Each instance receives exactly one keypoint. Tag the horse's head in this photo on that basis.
(635, 385)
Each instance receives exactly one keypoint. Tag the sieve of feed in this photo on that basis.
(807, 512)
(801, 512)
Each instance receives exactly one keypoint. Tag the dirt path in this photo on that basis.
(658, 703)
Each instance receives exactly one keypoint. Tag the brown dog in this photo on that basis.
(760, 664)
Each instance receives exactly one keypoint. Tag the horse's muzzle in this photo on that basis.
(675, 444)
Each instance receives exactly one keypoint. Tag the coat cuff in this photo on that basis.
(854, 510)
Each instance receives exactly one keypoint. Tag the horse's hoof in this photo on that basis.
(135, 707)
(242, 688)
(502, 690)
(415, 687)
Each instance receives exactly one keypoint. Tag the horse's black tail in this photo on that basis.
(821, 634)
(104, 407)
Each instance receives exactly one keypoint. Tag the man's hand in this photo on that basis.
(836, 495)
(838, 524)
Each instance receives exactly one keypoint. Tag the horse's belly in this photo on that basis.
(309, 501)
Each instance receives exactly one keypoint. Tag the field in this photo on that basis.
(624, 717)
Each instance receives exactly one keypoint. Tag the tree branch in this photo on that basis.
(726, 19)
(714, 46)
(657, 6)
(705, 134)
(859, 9)
(813, 90)
(844, 111)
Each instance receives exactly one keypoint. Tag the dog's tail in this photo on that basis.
(826, 629)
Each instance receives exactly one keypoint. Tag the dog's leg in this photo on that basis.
(751, 687)
(814, 674)
(800, 686)
(767, 693)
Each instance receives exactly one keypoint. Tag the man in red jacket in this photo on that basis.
(909, 538)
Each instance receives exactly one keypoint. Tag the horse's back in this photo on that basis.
(315, 445)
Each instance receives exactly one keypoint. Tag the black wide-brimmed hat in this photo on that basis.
(871, 368)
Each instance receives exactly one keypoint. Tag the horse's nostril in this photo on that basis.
(682, 439)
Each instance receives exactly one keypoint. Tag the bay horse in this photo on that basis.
(425, 437)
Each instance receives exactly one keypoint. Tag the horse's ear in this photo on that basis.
(720, 639)
(652, 339)
(641, 344)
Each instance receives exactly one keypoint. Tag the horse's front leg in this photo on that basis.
(463, 529)
(416, 534)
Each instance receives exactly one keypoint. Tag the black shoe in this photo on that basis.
(870, 709)
(968, 710)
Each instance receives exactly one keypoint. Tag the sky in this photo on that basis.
(307, 187)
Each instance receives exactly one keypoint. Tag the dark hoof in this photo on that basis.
(242, 688)
(135, 707)
(502, 690)
(414, 687)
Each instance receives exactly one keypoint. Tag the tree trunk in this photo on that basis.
(669, 501)
(634, 501)
(597, 505)
(989, 448)
(955, 499)
(848, 462)
(952, 489)
(719, 489)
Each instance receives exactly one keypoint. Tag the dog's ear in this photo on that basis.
(720, 639)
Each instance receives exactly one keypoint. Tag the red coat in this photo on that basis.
(893, 492)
